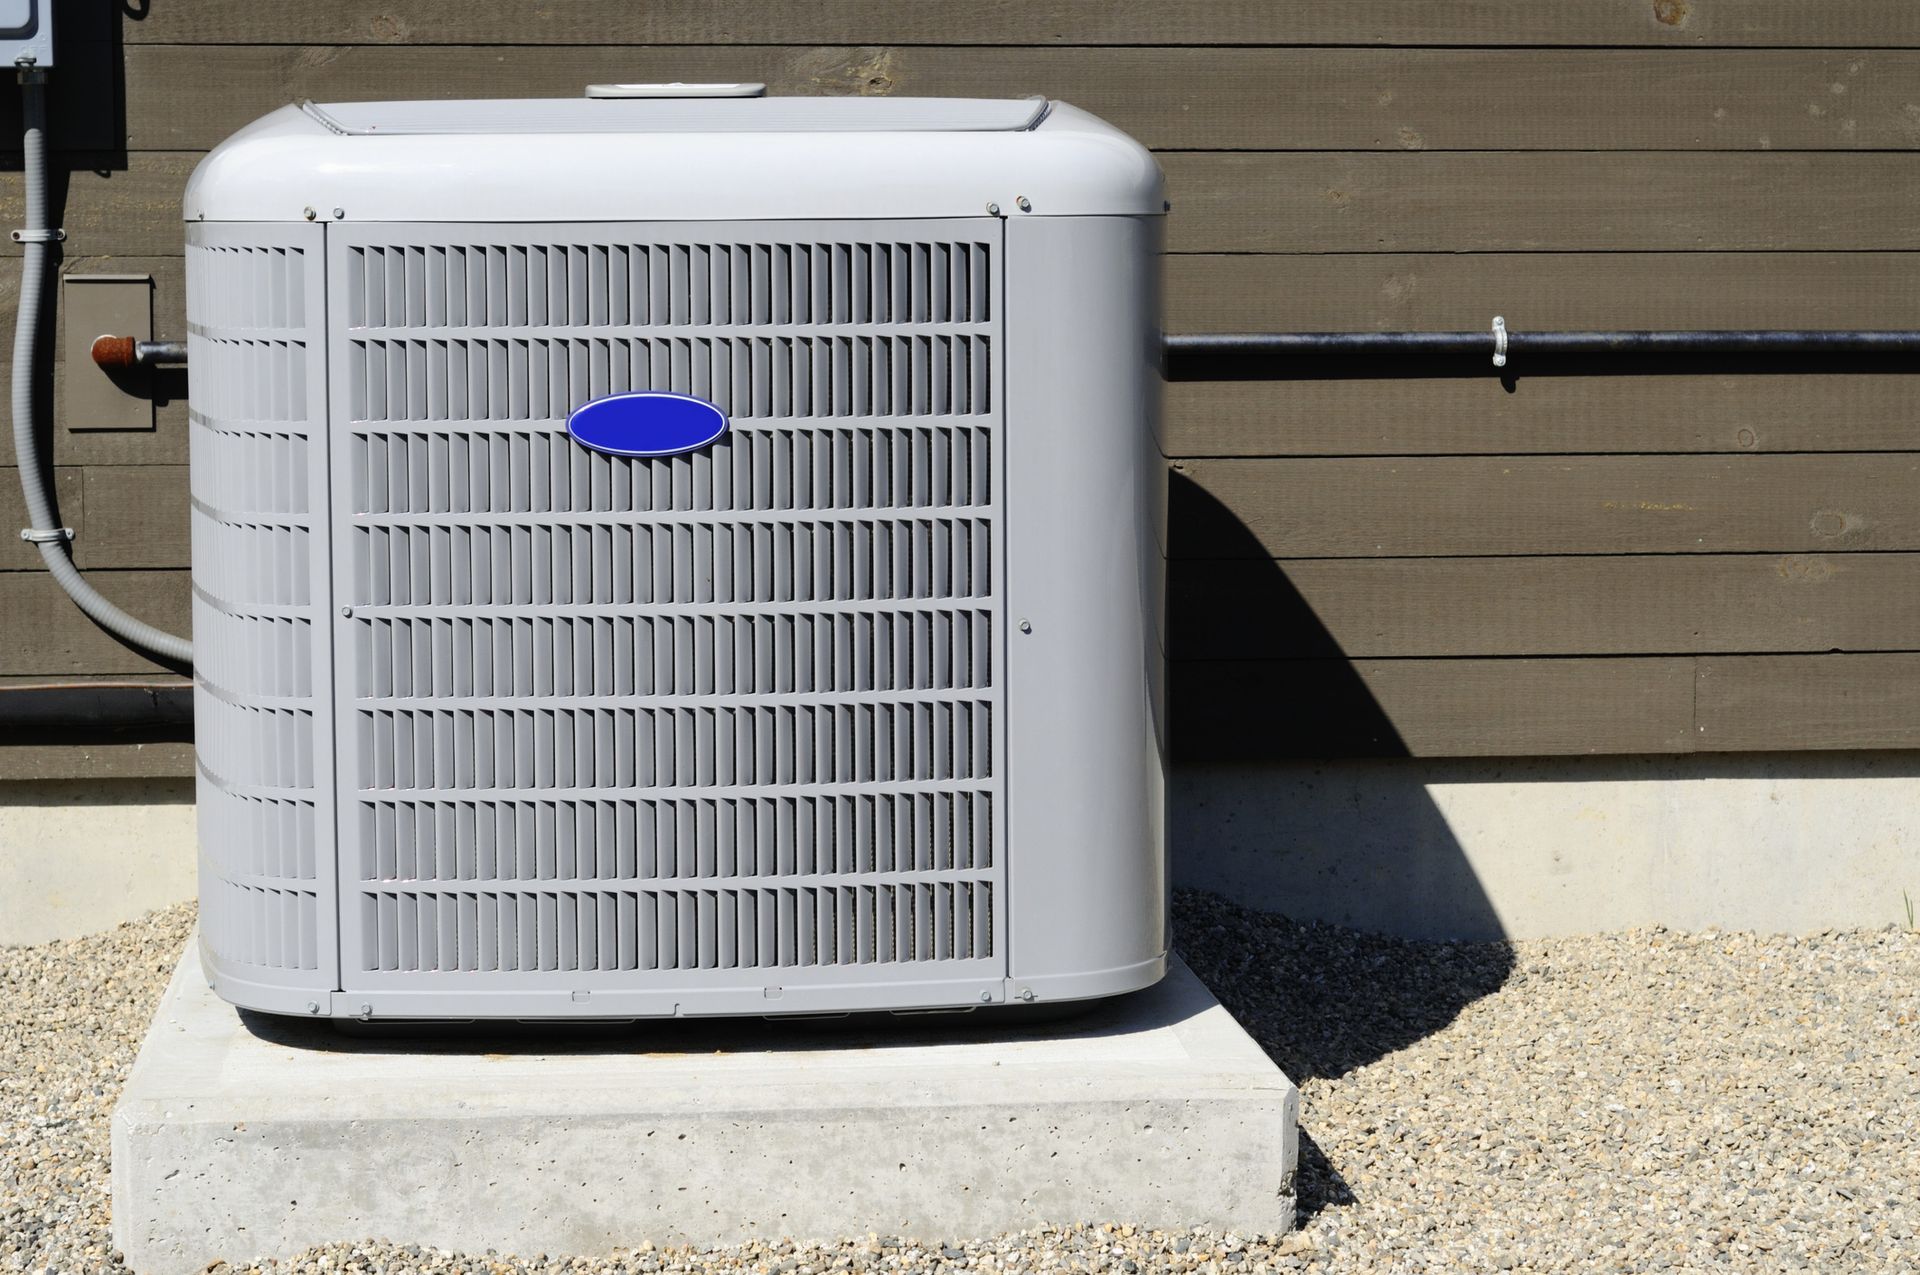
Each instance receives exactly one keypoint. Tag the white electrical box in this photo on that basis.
(26, 31)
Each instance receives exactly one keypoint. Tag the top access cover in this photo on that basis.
(675, 159)
(683, 115)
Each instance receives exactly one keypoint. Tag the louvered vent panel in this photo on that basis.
(262, 704)
(730, 711)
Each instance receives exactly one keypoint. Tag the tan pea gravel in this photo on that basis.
(1645, 1101)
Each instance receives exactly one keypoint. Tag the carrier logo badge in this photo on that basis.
(646, 423)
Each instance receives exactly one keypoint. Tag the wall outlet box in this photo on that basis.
(26, 31)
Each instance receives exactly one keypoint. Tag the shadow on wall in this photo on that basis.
(1233, 713)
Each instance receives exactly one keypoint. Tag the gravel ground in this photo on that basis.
(1638, 1101)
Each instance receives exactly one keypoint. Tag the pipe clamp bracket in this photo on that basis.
(55, 235)
(59, 535)
(1499, 341)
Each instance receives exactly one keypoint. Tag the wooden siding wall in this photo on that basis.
(1620, 564)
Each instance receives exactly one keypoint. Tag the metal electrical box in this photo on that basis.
(853, 705)
(26, 31)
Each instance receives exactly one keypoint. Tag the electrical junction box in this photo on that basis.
(669, 556)
(26, 31)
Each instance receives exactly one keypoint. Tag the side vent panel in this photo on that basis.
(263, 697)
(715, 724)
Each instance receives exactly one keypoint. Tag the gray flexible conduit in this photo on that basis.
(26, 344)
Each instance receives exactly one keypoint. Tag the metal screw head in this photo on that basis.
(986, 998)
(308, 213)
(347, 611)
(338, 213)
(1026, 205)
(313, 1007)
(1026, 994)
(366, 1012)
(1026, 626)
(993, 210)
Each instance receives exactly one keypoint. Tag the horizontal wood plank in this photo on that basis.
(1470, 506)
(1638, 605)
(139, 517)
(17, 554)
(1557, 415)
(1830, 23)
(1361, 292)
(193, 97)
(1478, 202)
(130, 211)
(1345, 202)
(1764, 703)
(96, 761)
(47, 635)
(1257, 710)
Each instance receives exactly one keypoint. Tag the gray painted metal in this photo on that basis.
(684, 115)
(732, 732)
(262, 663)
(707, 733)
(1085, 495)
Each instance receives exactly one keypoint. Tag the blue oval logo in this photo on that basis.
(646, 423)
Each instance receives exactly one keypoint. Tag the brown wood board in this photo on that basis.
(192, 97)
(1698, 23)
(1663, 604)
(1499, 505)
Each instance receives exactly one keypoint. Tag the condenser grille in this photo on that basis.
(263, 707)
(633, 284)
(479, 379)
(736, 710)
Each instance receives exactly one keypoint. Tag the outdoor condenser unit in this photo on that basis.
(664, 556)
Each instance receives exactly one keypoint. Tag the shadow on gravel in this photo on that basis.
(1323, 1001)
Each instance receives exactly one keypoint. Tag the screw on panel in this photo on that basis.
(338, 213)
(366, 1012)
(1026, 994)
(313, 1007)
(1026, 205)
(993, 210)
(1026, 626)
(986, 998)
(347, 612)
(308, 213)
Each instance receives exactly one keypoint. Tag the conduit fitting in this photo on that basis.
(122, 353)
(1499, 341)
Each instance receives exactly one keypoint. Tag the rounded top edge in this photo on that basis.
(1069, 163)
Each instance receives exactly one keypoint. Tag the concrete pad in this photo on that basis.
(246, 1138)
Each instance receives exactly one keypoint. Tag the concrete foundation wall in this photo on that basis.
(1466, 848)
(82, 855)
(1528, 848)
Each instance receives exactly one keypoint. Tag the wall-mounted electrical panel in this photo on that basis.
(26, 32)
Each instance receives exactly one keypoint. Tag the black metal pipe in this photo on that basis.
(1290, 355)
(95, 712)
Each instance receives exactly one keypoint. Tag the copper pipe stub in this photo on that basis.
(114, 351)
(121, 353)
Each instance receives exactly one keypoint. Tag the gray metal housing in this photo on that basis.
(858, 708)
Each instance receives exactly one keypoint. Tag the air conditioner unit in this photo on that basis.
(663, 557)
